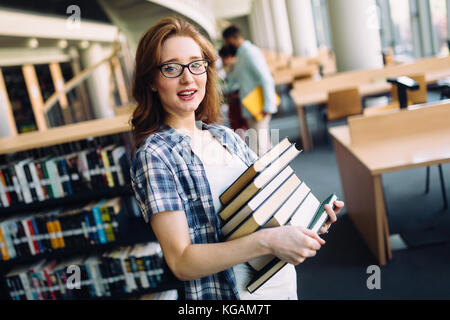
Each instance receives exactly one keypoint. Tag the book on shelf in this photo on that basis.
(61, 175)
(311, 215)
(271, 195)
(30, 234)
(101, 275)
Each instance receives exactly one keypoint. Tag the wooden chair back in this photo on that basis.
(418, 96)
(343, 103)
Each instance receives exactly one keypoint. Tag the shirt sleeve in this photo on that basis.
(258, 66)
(154, 185)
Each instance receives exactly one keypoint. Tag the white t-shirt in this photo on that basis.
(222, 169)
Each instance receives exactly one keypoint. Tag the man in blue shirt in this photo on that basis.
(250, 71)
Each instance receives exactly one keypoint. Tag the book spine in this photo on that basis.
(14, 234)
(53, 179)
(105, 160)
(47, 183)
(59, 235)
(91, 227)
(38, 234)
(32, 236)
(134, 269)
(23, 184)
(41, 180)
(28, 236)
(107, 223)
(87, 228)
(12, 288)
(113, 168)
(30, 182)
(52, 233)
(26, 286)
(99, 223)
(83, 167)
(118, 153)
(13, 198)
(67, 177)
(4, 194)
(16, 185)
(3, 246)
(63, 178)
(101, 165)
(9, 242)
(49, 284)
(24, 247)
(35, 181)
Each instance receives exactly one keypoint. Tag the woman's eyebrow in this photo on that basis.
(176, 60)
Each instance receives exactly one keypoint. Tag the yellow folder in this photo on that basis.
(254, 102)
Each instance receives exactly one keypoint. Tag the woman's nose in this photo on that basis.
(186, 76)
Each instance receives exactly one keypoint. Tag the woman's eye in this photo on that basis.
(196, 65)
(170, 68)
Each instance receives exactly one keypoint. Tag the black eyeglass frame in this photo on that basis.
(183, 66)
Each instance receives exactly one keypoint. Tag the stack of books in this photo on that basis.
(270, 194)
(125, 270)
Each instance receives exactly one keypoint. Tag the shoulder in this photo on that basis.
(154, 150)
(253, 50)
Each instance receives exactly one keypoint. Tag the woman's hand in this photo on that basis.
(332, 215)
(291, 243)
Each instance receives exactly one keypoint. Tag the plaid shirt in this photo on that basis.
(166, 175)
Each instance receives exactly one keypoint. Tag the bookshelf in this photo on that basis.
(131, 228)
(64, 134)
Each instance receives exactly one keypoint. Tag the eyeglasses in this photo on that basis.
(173, 70)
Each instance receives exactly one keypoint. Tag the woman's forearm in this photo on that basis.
(199, 260)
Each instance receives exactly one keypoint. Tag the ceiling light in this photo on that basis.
(62, 44)
(84, 44)
(33, 43)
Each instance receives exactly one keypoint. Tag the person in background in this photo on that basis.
(237, 121)
(249, 72)
(182, 160)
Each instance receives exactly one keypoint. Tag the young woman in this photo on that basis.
(183, 161)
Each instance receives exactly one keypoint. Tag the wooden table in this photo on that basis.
(372, 145)
(369, 82)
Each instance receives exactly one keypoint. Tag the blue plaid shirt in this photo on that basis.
(166, 175)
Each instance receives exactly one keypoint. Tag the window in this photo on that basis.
(320, 12)
(439, 25)
(402, 33)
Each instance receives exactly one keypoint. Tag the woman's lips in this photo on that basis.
(187, 95)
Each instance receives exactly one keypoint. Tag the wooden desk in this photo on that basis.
(288, 75)
(369, 82)
(373, 145)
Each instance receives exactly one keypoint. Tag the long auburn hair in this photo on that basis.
(149, 114)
